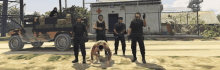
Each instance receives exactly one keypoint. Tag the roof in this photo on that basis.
(208, 16)
(118, 1)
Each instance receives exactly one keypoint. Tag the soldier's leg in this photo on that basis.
(133, 47)
(123, 45)
(104, 38)
(142, 47)
(76, 50)
(97, 39)
(116, 45)
(83, 50)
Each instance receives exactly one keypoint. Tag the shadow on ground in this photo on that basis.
(79, 66)
(146, 65)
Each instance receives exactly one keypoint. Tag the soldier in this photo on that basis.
(101, 29)
(98, 46)
(136, 31)
(119, 30)
(79, 29)
(54, 13)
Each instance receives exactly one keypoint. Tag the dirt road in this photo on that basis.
(169, 55)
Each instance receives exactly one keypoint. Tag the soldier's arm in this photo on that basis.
(129, 30)
(144, 23)
(105, 26)
(115, 29)
(95, 26)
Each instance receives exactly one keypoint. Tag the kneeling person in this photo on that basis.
(99, 46)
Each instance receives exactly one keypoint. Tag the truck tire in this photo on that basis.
(37, 44)
(15, 43)
(62, 42)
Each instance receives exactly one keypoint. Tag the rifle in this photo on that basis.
(118, 35)
(129, 38)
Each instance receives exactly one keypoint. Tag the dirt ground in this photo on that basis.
(50, 62)
(157, 62)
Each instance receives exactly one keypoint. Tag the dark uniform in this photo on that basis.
(79, 39)
(54, 13)
(137, 36)
(100, 34)
(119, 27)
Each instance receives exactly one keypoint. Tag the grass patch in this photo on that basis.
(26, 57)
(66, 57)
(136, 67)
(31, 62)
(28, 68)
(206, 66)
(47, 68)
(125, 62)
(217, 56)
(87, 57)
(2, 63)
(161, 60)
(54, 58)
(174, 56)
(177, 65)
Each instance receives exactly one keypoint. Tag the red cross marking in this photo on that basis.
(98, 10)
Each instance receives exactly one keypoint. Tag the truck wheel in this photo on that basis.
(63, 42)
(37, 44)
(15, 43)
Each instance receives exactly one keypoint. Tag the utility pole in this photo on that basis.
(4, 19)
(60, 8)
(65, 3)
(83, 7)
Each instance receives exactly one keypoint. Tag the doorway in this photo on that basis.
(112, 20)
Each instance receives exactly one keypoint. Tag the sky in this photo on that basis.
(43, 6)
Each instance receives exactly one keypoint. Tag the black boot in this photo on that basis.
(134, 59)
(84, 59)
(75, 61)
(143, 59)
(123, 53)
(115, 53)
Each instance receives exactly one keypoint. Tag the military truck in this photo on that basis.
(39, 29)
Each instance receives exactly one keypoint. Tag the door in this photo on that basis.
(112, 20)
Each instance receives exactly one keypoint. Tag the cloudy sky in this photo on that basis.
(47, 5)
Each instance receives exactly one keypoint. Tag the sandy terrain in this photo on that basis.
(168, 55)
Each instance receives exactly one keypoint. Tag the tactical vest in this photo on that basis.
(102, 25)
(79, 29)
(119, 27)
(137, 27)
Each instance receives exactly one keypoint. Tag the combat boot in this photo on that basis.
(84, 59)
(75, 61)
(134, 59)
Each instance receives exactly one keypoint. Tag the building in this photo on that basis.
(208, 17)
(113, 9)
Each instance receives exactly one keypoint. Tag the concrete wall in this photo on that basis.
(152, 16)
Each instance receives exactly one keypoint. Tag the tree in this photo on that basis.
(218, 16)
(36, 13)
(182, 20)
